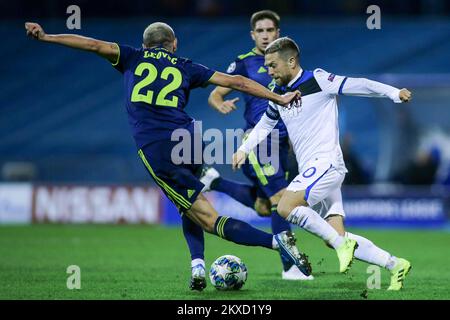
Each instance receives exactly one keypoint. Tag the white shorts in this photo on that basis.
(322, 185)
(331, 205)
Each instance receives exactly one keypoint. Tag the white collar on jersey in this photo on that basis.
(299, 74)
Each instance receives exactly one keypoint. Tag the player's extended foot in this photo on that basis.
(399, 273)
(286, 242)
(346, 253)
(293, 273)
(198, 278)
(209, 174)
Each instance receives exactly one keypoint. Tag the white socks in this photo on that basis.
(197, 261)
(310, 220)
(370, 253)
(275, 245)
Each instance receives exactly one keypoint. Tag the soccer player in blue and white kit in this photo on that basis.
(157, 86)
(268, 184)
(314, 197)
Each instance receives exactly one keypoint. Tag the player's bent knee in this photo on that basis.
(207, 223)
(263, 212)
(287, 204)
(262, 207)
(275, 199)
(204, 214)
(285, 208)
(209, 226)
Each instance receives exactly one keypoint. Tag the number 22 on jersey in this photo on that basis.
(152, 75)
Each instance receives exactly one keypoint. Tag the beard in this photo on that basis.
(282, 81)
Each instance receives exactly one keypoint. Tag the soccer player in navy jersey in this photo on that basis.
(268, 184)
(157, 86)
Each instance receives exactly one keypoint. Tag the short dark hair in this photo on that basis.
(285, 46)
(158, 34)
(265, 14)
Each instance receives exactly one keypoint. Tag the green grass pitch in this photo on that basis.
(152, 262)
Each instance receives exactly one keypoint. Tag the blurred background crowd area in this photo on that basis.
(63, 117)
(221, 8)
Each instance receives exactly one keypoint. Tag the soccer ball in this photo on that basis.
(228, 273)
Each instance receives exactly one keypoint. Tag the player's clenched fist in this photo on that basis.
(405, 95)
(239, 159)
(34, 30)
(289, 97)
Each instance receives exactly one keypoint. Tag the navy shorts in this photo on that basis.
(263, 174)
(179, 182)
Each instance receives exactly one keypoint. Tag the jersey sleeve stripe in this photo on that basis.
(118, 56)
(342, 85)
(272, 113)
(272, 116)
(211, 76)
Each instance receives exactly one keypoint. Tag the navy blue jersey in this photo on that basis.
(251, 65)
(157, 85)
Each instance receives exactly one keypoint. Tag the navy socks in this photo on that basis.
(279, 224)
(242, 193)
(242, 233)
(194, 238)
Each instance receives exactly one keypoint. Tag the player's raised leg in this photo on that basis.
(241, 192)
(308, 188)
(181, 186)
(273, 187)
(279, 224)
(295, 210)
(237, 231)
(332, 210)
(367, 251)
(271, 183)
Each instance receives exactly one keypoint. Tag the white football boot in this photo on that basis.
(295, 274)
(209, 174)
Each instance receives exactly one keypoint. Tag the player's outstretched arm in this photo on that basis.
(249, 86)
(369, 88)
(262, 129)
(107, 50)
(217, 100)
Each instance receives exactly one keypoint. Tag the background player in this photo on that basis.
(268, 184)
(157, 85)
(312, 123)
